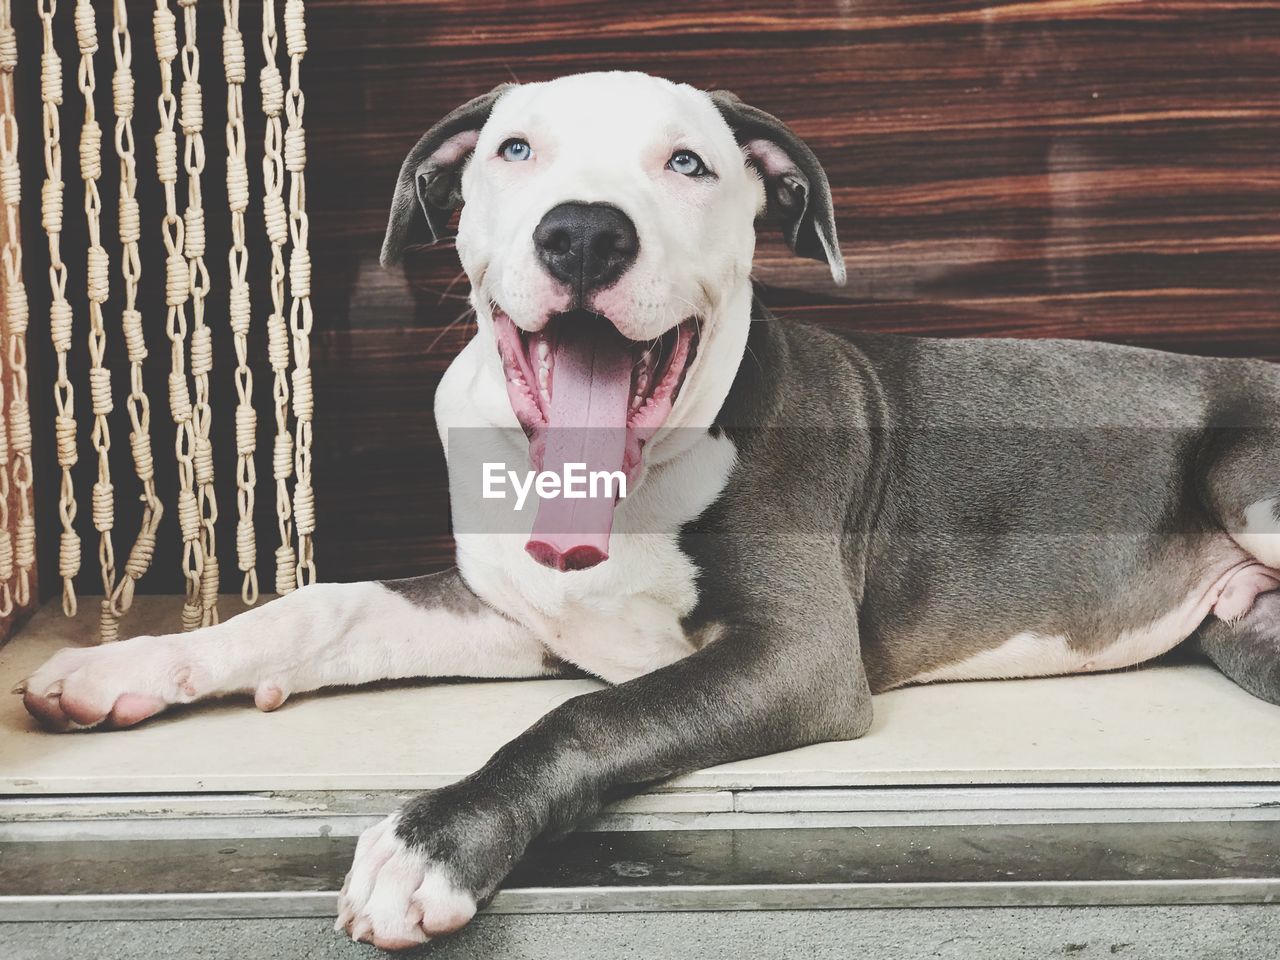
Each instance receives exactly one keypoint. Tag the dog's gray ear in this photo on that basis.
(795, 183)
(431, 175)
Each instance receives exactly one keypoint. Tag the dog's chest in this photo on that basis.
(619, 620)
(622, 618)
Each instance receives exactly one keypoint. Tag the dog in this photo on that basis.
(810, 518)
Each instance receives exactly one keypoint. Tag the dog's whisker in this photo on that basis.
(469, 312)
(451, 284)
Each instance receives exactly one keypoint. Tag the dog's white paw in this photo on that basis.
(395, 897)
(114, 685)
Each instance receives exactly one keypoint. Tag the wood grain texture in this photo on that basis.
(1067, 168)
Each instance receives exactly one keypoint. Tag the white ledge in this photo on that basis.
(1167, 724)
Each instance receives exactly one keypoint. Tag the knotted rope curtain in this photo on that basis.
(186, 284)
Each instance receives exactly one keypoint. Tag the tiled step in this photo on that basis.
(1233, 857)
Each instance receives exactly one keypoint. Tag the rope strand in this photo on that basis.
(97, 282)
(276, 219)
(17, 553)
(191, 119)
(138, 404)
(239, 311)
(300, 316)
(177, 292)
(60, 315)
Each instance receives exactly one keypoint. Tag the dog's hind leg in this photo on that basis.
(1242, 488)
(1247, 650)
(329, 634)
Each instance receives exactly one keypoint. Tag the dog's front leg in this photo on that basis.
(321, 635)
(760, 688)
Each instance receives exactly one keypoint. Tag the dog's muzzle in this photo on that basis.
(586, 246)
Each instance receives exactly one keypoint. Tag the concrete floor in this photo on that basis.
(1028, 933)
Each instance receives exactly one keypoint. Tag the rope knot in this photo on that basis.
(11, 182)
(122, 92)
(64, 435)
(17, 313)
(177, 279)
(286, 569)
(276, 218)
(90, 150)
(8, 49)
(201, 350)
(272, 85)
(51, 78)
(140, 445)
(60, 325)
(130, 220)
(193, 233)
(134, 339)
(295, 28)
(51, 206)
(98, 273)
(233, 54)
(86, 28)
(179, 398)
(164, 25)
(192, 117)
(103, 506)
(100, 391)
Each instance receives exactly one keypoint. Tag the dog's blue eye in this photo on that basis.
(515, 150)
(688, 163)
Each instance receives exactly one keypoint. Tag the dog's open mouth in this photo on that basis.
(587, 395)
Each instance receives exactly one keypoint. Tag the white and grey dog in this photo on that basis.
(810, 518)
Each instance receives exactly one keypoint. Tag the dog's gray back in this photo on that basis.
(986, 487)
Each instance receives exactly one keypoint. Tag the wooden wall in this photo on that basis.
(1075, 168)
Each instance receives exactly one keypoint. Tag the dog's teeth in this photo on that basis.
(546, 397)
(635, 402)
(544, 350)
(544, 376)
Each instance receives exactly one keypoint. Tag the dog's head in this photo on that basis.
(608, 232)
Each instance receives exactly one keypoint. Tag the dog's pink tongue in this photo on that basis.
(590, 394)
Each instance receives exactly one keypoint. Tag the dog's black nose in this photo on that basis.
(586, 245)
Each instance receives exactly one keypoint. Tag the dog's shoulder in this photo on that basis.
(795, 373)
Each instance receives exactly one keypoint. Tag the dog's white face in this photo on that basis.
(659, 152)
(608, 233)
